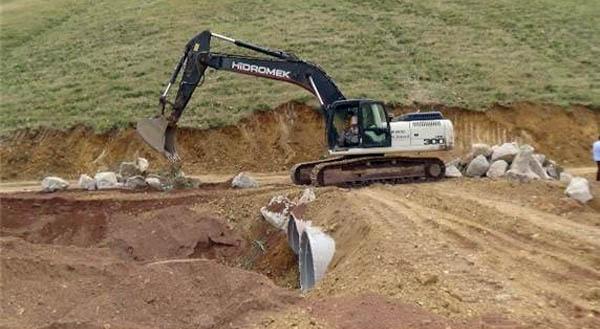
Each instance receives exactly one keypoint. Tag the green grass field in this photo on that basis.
(103, 63)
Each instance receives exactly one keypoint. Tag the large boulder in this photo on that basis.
(497, 169)
(53, 184)
(481, 149)
(142, 164)
(478, 167)
(136, 182)
(242, 180)
(453, 172)
(553, 170)
(106, 179)
(154, 182)
(506, 152)
(86, 182)
(537, 168)
(579, 189)
(541, 158)
(129, 169)
(527, 147)
(277, 211)
(520, 169)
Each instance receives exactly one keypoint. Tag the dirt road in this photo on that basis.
(460, 253)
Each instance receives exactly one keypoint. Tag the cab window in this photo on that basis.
(374, 124)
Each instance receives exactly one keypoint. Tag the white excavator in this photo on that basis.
(365, 143)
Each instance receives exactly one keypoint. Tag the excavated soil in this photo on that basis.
(275, 140)
(471, 253)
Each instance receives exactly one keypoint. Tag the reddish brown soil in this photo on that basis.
(126, 262)
(116, 259)
(375, 311)
(275, 140)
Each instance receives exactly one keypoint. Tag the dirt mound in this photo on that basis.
(72, 285)
(128, 260)
(137, 232)
(289, 134)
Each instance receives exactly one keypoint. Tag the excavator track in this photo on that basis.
(300, 172)
(377, 169)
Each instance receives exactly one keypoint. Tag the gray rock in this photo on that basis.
(565, 177)
(184, 182)
(520, 169)
(154, 182)
(277, 211)
(579, 189)
(506, 152)
(554, 170)
(454, 162)
(481, 149)
(106, 179)
(53, 184)
(242, 180)
(478, 167)
(453, 172)
(527, 147)
(541, 158)
(136, 182)
(129, 169)
(142, 164)
(86, 182)
(497, 169)
(536, 167)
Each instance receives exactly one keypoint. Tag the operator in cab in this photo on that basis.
(350, 137)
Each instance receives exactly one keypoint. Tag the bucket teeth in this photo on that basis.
(157, 133)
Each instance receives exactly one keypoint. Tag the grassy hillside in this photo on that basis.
(103, 63)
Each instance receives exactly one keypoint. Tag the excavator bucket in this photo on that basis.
(157, 133)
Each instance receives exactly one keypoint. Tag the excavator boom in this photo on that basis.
(159, 132)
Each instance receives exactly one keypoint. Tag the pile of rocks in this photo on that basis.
(515, 162)
(512, 160)
(131, 175)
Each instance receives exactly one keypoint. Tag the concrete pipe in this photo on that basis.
(295, 228)
(316, 252)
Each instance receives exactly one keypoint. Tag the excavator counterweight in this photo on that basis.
(362, 137)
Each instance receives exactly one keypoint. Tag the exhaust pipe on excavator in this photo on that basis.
(160, 135)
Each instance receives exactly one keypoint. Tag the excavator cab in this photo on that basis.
(357, 124)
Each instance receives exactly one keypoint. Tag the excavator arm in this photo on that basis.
(160, 131)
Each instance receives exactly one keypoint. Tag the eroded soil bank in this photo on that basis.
(275, 140)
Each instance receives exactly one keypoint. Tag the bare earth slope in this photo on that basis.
(289, 134)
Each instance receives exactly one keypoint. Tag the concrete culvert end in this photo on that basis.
(295, 229)
(316, 252)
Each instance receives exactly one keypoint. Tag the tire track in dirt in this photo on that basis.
(542, 271)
